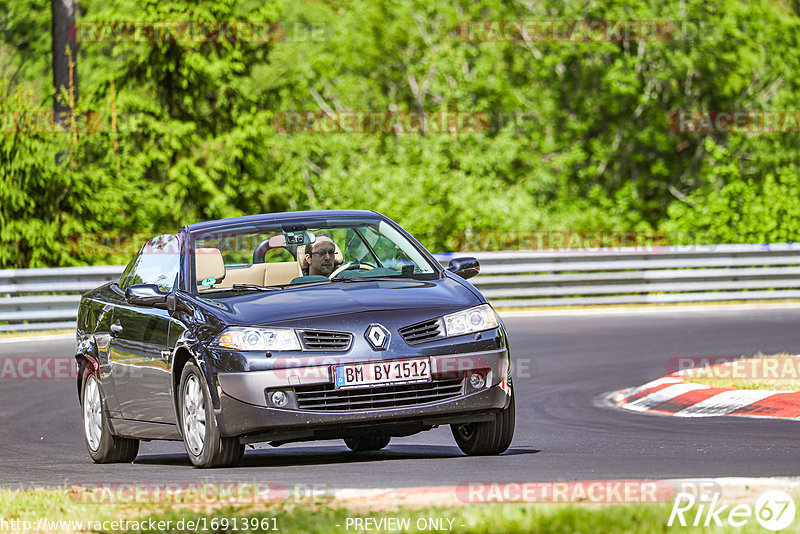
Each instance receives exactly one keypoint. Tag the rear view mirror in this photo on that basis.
(464, 267)
(145, 295)
(299, 238)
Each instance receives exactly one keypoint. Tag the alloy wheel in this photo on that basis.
(92, 418)
(194, 416)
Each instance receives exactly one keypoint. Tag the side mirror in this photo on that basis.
(175, 304)
(464, 267)
(145, 295)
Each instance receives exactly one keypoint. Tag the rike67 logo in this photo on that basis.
(774, 510)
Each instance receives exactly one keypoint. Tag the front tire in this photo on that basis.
(488, 438)
(205, 446)
(367, 443)
(104, 447)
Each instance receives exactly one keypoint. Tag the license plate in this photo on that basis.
(380, 373)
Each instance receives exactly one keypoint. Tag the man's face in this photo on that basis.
(320, 260)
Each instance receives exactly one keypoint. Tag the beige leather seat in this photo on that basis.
(281, 273)
(208, 263)
(253, 274)
(338, 258)
(263, 274)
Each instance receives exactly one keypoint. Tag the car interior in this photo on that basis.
(212, 273)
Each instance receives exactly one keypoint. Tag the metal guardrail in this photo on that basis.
(639, 276)
(36, 299)
(41, 299)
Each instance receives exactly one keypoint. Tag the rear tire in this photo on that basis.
(367, 443)
(204, 445)
(103, 446)
(488, 438)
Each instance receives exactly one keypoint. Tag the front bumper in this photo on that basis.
(245, 409)
(256, 424)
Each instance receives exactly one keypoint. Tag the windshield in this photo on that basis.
(284, 254)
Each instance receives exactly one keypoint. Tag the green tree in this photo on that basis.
(578, 140)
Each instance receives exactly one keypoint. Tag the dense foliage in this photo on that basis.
(578, 137)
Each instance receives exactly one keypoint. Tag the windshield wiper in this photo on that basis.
(371, 278)
(254, 287)
(311, 283)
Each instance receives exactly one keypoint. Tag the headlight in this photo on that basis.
(242, 338)
(472, 320)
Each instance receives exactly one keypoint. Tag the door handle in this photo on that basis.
(116, 328)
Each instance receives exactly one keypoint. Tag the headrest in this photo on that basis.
(280, 273)
(338, 258)
(208, 264)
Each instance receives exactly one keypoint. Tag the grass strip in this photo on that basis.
(328, 516)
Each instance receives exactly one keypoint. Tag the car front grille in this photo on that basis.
(325, 398)
(325, 340)
(422, 332)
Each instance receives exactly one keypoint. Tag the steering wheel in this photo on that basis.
(351, 266)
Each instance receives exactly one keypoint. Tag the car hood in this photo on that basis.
(271, 307)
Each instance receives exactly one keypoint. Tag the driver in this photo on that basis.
(321, 256)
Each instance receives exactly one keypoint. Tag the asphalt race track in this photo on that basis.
(564, 364)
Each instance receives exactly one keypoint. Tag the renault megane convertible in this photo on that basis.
(290, 327)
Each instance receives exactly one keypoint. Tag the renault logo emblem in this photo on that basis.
(377, 336)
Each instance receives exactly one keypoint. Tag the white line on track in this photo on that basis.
(635, 310)
(51, 337)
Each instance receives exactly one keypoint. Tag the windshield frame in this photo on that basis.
(269, 224)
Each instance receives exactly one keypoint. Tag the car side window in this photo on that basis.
(388, 253)
(157, 263)
(125, 279)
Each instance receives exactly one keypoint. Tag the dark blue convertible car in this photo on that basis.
(290, 327)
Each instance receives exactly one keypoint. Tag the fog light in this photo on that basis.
(279, 398)
(477, 380)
